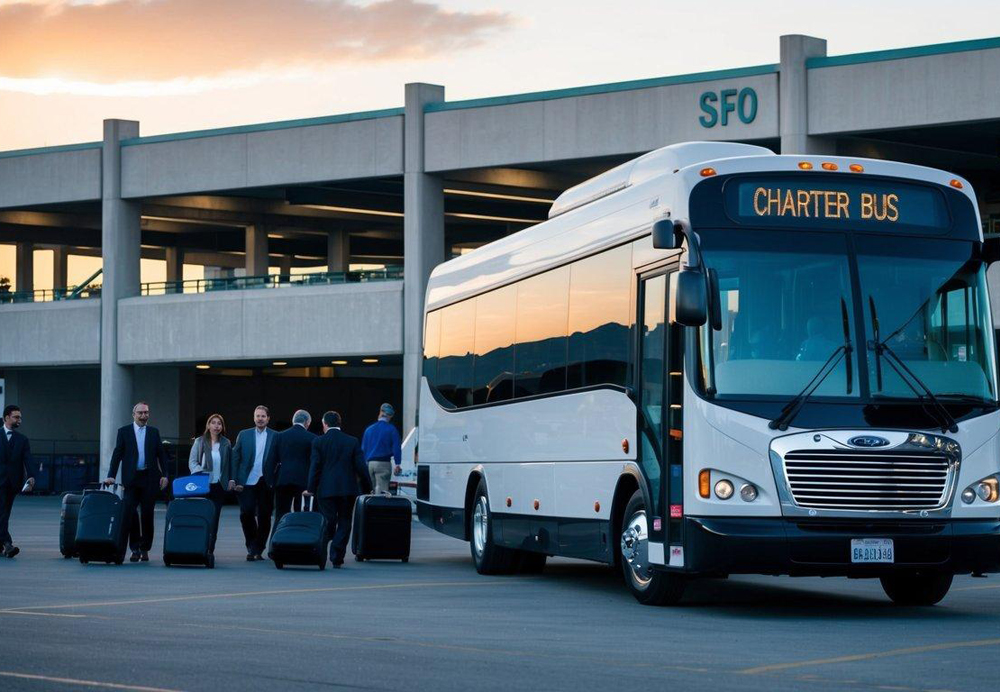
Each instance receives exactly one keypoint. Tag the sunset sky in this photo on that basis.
(176, 65)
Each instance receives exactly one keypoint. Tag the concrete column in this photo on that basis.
(338, 251)
(24, 268)
(120, 252)
(175, 264)
(285, 265)
(423, 239)
(60, 268)
(793, 96)
(256, 244)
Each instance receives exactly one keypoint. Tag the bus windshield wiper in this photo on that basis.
(792, 408)
(881, 348)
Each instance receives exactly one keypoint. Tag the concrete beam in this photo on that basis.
(423, 238)
(793, 95)
(120, 248)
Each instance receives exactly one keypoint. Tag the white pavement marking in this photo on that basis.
(82, 683)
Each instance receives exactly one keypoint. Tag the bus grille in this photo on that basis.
(866, 480)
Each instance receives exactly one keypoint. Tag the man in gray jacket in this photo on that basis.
(256, 497)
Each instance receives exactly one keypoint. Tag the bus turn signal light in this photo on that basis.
(705, 483)
(828, 166)
(705, 172)
(957, 184)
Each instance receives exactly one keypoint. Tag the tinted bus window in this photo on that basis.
(454, 375)
(493, 378)
(432, 342)
(599, 318)
(540, 353)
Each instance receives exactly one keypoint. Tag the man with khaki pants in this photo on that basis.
(381, 447)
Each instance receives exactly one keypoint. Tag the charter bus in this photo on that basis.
(715, 360)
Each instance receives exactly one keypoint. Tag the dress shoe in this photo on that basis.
(10, 550)
(251, 557)
(136, 554)
(259, 557)
(336, 565)
(144, 556)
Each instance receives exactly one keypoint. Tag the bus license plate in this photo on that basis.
(872, 550)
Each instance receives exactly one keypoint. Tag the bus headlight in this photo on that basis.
(748, 493)
(724, 489)
(987, 490)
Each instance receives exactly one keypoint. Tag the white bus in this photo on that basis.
(713, 360)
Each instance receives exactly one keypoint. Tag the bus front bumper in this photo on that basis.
(822, 547)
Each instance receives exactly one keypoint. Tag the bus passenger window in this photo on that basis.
(540, 352)
(454, 375)
(493, 378)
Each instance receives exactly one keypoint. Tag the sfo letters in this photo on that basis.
(824, 204)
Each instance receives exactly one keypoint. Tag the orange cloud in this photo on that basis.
(108, 41)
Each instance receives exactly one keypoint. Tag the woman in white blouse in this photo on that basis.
(212, 454)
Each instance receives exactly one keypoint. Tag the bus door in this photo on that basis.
(659, 390)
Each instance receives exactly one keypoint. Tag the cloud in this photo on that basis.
(197, 42)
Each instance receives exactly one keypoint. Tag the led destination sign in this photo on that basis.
(832, 201)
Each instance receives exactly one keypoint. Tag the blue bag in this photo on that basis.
(191, 486)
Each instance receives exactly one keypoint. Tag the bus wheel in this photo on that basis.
(919, 588)
(649, 586)
(488, 557)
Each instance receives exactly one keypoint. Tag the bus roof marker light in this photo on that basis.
(857, 168)
(829, 166)
(706, 172)
(805, 165)
(956, 183)
(705, 483)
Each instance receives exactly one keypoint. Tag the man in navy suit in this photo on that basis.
(14, 455)
(143, 460)
(286, 469)
(252, 447)
(336, 467)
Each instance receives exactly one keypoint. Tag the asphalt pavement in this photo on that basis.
(434, 624)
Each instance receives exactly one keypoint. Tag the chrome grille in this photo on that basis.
(863, 479)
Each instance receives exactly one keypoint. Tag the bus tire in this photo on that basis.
(918, 588)
(488, 557)
(649, 586)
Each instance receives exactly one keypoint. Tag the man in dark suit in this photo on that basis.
(286, 469)
(14, 455)
(256, 496)
(143, 460)
(336, 466)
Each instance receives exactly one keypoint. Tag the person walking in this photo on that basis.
(256, 498)
(15, 452)
(143, 460)
(286, 469)
(381, 446)
(336, 467)
(212, 453)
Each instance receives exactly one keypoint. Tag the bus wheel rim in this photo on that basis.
(635, 548)
(480, 525)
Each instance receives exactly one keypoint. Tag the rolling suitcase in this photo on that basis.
(67, 524)
(187, 539)
(300, 538)
(381, 528)
(100, 534)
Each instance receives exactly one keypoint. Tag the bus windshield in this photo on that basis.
(788, 304)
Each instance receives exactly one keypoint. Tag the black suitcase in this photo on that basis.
(300, 539)
(187, 539)
(381, 528)
(100, 534)
(67, 524)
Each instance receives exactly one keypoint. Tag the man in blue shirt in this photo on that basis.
(380, 445)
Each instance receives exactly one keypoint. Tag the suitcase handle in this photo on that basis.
(113, 489)
(302, 503)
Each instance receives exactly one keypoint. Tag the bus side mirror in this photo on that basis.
(991, 250)
(664, 237)
(688, 298)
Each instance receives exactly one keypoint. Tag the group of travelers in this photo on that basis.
(268, 471)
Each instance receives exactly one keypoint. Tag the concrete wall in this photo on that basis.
(59, 333)
(615, 123)
(335, 151)
(294, 322)
(49, 177)
(909, 92)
